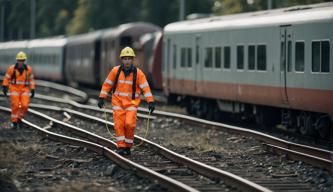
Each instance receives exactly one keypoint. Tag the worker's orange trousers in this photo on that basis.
(19, 101)
(124, 124)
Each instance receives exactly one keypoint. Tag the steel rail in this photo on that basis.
(310, 159)
(321, 153)
(165, 181)
(206, 170)
(316, 152)
(76, 104)
(64, 88)
(60, 87)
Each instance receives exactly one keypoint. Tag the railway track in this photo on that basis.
(275, 185)
(101, 146)
(312, 155)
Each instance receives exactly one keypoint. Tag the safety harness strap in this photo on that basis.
(133, 84)
(117, 77)
(13, 77)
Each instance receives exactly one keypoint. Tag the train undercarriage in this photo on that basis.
(306, 123)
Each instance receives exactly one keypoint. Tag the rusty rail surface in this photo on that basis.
(206, 170)
(167, 182)
(317, 152)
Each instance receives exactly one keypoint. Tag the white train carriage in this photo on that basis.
(248, 63)
(47, 58)
(83, 58)
(8, 51)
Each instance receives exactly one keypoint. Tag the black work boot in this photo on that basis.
(121, 151)
(124, 151)
(128, 150)
(14, 125)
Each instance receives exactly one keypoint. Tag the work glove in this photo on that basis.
(151, 107)
(5, 90)
(101, 103)
(32, 91)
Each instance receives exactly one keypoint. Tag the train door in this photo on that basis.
(286, 39)
(198, 66)
(167, 65)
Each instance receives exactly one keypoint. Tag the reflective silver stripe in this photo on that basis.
(22, 83)
(14, 93)
(128, 140)
(103, 92)
(148, 94)
(143, 85)
(125, 94)
(7, 75)
(131, 108)
(108, 82)
(117, 108)
(126, 82)
(26, 94)
(14, 116)
(121, 138)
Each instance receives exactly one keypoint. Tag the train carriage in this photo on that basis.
(83, 58)
(270, 64)
(151, 46)
(8, 51)
(47, 58)
(114, 41)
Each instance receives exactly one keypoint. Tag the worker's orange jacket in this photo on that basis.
(19, 82)
(122, 95)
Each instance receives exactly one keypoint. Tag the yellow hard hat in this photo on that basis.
(21, 56)
(127, 52)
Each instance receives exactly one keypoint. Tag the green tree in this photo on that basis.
(53, 16)
(18, 19)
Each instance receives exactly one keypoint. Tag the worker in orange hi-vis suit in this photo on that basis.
(125, 83)
(20, 80)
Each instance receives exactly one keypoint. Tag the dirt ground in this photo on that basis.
(29, 162)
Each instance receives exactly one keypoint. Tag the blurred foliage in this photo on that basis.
(58, 17)
(97, 14)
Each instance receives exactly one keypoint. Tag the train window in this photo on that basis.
(197, 50)
(197, 54)
(189, 57)
(299, 56)
(126, 41)
(167, 63)
(226, 57)
(289, 56)
(283, 56)
(164, 59)
(240, 57)
(218, 59)
(261, 57)
(183, 57)
(325, 56)
(208, 57)
(316, 56)
(174, 56)
(251, 57)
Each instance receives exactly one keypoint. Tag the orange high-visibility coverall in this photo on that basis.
(19, 89)
(124, 111)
